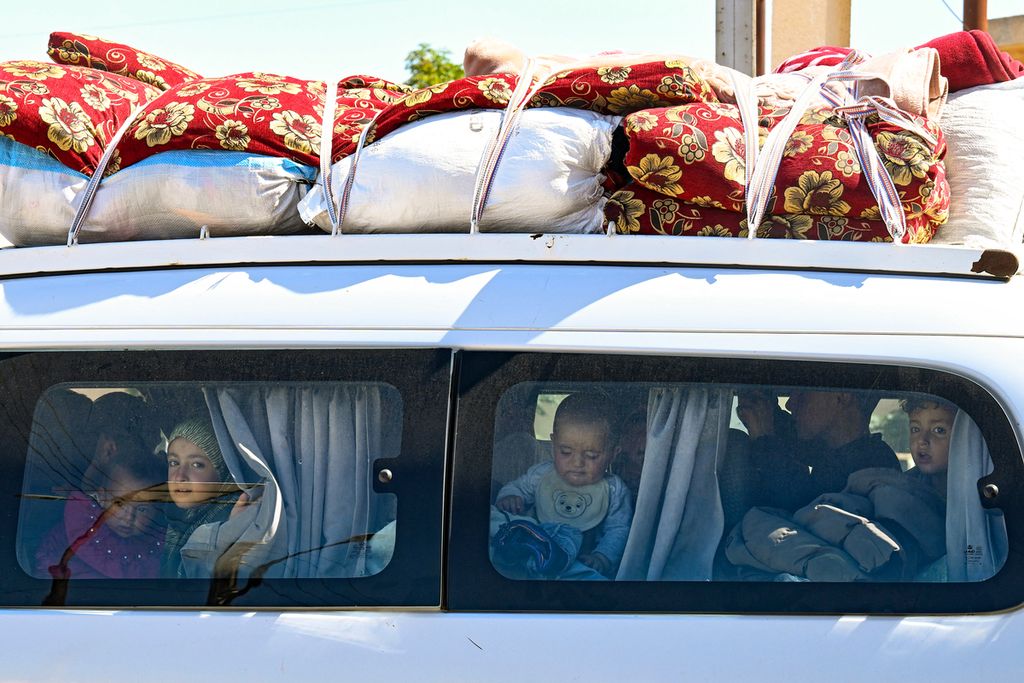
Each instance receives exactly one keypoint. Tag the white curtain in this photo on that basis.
(311, 450)
(678, 519)
(976, 542)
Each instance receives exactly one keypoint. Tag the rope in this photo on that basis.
(522, 94)
(93, 186)
(761, 181)
(350, 178)
(855, 109)
(746, 104)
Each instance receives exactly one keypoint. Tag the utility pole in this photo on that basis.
(976, 15)
(736, 44)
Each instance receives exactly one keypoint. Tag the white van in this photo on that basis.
(370, 399)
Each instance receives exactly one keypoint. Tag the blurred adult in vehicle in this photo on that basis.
(830, 440)
(629, 450)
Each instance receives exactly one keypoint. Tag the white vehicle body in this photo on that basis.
(912, 307)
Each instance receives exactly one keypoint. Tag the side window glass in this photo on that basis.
(847, 485)
(647, 481)
(216, 478)
(159, 481)
(647, 475)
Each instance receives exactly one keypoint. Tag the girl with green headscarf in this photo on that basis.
(200, 486)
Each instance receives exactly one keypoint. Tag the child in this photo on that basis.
(931, 425)
(114, 531)
(199, 484)
(575, 488)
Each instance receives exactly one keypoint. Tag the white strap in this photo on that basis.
(522, 94)
(746, 104)
(326, 145)
(855, 110)
(89, 194)
(350, 178)
(879, 181)
(761, 183)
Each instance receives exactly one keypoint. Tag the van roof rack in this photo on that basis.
(702, 251)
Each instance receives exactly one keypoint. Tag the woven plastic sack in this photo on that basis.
(421, 177)
(167, 195)
(984, 152)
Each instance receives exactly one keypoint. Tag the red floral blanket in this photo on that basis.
(282, 116)
(636, 210)
(696, 153)
(79, 49)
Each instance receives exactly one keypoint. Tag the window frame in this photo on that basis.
(411, 579)
(475, 585)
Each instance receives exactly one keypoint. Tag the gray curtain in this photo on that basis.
(976, 542)
(306, 454)
(59, 453)
(678, 519)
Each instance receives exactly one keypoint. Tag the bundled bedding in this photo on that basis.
(229, 155)
(695, 154)
(113, 143)
(550, 175)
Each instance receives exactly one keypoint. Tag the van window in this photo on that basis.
(228, 483)
(162, 481)
(671, 470)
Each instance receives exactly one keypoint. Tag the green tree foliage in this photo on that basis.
(428, 66)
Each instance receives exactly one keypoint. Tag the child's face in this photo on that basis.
(930, 429)
(581, 451)
(130, 509)
(191, 477)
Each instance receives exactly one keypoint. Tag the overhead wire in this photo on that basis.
(953, 12)
(242, 12)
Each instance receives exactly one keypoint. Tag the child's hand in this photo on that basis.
(597, 561)
(243, 502)
(511, 504)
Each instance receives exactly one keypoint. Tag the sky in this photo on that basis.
(325, 40)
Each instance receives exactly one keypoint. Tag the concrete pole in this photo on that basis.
(735, 28)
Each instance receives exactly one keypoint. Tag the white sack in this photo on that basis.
(985, 153)
(420, 178)
(171, 194)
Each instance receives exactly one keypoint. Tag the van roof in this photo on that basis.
(513, 247)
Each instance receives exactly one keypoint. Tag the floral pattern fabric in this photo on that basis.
(606, 90)
(72, 112)
(685, 162)
(79, 49)
(253, 112)
(256, 112)
(696, 153)
(637, 210)
(281, 116)
(67, 112)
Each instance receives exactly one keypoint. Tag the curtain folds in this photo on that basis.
(976, 541)
(678, 519)
(306, 456)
